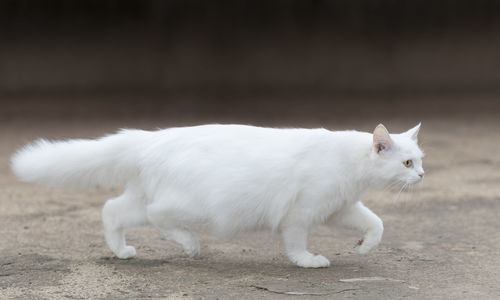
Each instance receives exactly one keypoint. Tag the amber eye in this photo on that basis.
(408, 163)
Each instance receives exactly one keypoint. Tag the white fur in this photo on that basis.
(231, 177)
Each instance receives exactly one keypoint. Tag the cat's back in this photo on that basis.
(236, 130)
(235, 144)
(243, 139)
(236, 136)
(224, 146)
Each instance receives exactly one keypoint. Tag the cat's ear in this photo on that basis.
(413, 133)
(381, 139)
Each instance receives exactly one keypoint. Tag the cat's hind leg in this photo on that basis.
(361, 218)
(125, 211)
(185, 238)
(171, 223)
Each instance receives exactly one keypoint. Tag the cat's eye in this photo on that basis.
(408, 163)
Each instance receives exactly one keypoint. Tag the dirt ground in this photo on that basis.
(441, 239)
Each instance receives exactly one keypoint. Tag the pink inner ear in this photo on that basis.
(379, 147)
(381, 139)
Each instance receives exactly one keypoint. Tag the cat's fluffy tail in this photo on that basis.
(105, 162)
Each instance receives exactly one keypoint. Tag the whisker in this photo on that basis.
(402, 188)
(411, 189)
(391, 185)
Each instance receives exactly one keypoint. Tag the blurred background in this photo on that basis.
(78, 69)
(274, 62)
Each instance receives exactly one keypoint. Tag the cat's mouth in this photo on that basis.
(413, 181)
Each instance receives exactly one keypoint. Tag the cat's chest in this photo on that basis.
(337, 200)
(323, 201)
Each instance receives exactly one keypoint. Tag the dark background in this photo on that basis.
(83, 69)
(249, 61)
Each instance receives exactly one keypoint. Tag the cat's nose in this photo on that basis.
(421, 175)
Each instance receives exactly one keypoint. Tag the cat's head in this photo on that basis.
(397, 157)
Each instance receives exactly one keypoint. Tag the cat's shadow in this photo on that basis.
(227, 265)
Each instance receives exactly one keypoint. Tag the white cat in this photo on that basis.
(233, 178)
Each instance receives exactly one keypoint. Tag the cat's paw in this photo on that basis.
(126, 253)
(364, 247)
(371, 239)
(308, 260)
(193, 249)
(357, 247)
(361, 250)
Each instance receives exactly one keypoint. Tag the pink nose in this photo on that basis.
(421, 175)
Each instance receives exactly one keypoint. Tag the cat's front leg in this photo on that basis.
(361, 218)
(295, 239)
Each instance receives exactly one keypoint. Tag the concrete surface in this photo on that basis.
(441, 238)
